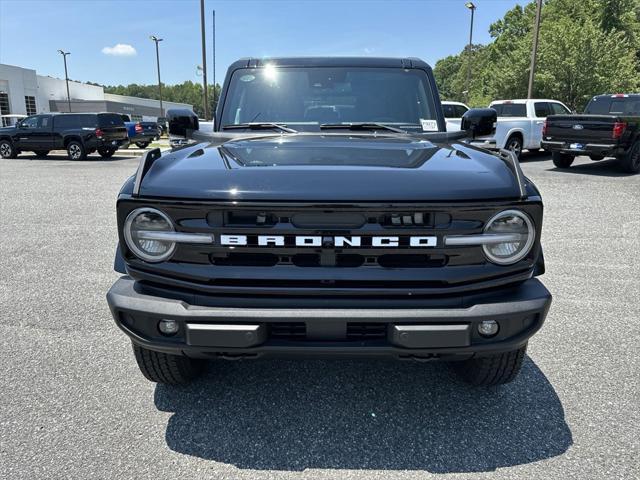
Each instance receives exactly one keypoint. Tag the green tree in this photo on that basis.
(585, 48)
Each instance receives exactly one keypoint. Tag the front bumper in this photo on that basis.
(429, 332)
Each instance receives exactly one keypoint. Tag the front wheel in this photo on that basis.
(514, 144)
(494, 369)
(631, 161)
(166, 368)
(562, 160)
(7, 150)
(106, 152)
(76, 150)
(142, 144)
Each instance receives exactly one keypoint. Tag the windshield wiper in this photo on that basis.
(362, 126)
(259, 126)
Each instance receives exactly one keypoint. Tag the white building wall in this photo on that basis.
(145, 102)
(50, 88)
(19, 82)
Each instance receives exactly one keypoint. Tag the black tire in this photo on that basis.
(142, 144)
(595, 158)
(106, 152)
(562, 160)
(76, 151)
(165, 368)
(7, 150)
(514, 144)
(41, 153)
(492, 370)
(630, 163)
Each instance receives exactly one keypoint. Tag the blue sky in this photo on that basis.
(99, 33)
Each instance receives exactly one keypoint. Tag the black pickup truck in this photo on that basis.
(78, 133)
(609, 127)
(329, 214)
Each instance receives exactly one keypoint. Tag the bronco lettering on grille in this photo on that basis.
(328, 241)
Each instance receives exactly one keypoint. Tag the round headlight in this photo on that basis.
(514, 235)
(144, 230)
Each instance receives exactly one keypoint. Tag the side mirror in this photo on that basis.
(182, 122)
(479, 122)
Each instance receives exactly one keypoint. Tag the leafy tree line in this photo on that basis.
(185, 92)
(585, 48)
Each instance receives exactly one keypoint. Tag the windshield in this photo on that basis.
(326, 95)
(510, 109)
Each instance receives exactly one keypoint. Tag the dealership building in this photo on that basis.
(23, 91)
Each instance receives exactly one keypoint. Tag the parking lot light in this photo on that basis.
(66, 75)
(158, 40)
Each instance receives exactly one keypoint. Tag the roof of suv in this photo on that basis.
(409, 62)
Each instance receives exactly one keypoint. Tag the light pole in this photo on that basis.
(534, 50)
(215, 104)
(66, 76)
(204, 62)
(472, 7)
(158, 40)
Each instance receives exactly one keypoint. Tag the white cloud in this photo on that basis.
(120, 50)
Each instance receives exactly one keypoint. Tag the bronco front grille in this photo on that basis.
(330, 265)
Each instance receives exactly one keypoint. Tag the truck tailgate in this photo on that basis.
(580, 128)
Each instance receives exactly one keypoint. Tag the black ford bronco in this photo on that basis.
(329, 214)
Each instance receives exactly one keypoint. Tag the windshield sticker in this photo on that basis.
(429, 125)
(247, 78)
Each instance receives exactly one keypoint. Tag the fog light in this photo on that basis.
(488, 328)
(168, 327)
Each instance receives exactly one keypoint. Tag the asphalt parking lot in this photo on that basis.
(73, 404)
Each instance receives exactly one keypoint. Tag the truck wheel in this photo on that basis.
(7, 150)
(165, 368)
(76, 150)
(106, 152)
(41, 153)
(514, 144)
(492, 370)
(562, 160)
(631, 161)
(142, 144)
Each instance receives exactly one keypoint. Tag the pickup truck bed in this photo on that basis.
(597, 133)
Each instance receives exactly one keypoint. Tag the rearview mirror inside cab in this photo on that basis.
(182, 122)
(479, 122)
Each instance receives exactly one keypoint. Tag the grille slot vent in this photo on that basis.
(288, 330)
(366, 331)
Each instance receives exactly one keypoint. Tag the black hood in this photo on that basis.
(331, 168)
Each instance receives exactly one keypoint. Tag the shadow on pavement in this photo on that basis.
(94, 157)
(602, 168)
(294, 415)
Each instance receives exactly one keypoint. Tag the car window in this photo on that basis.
(325, 95)
(30, 122)
(43, 121)
(559, 109)
(542, 109)
(110, 120)
(460, 110)
(510, 109)
(448, 111)
(615, 106)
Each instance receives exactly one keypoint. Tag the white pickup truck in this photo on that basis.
(520, 124)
